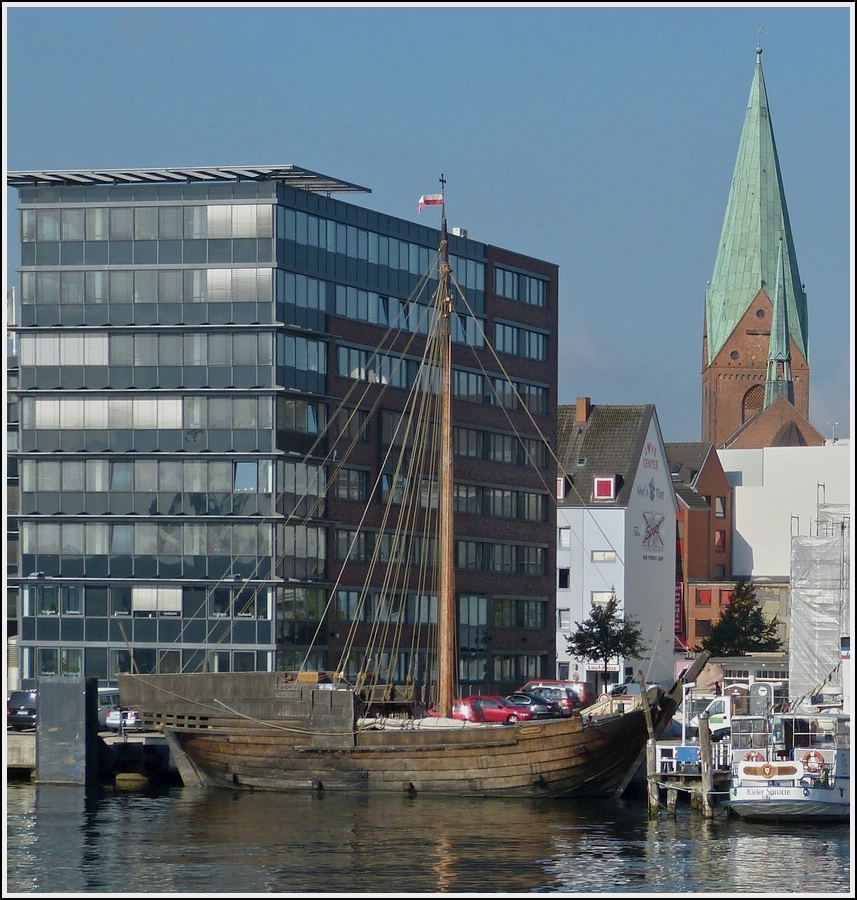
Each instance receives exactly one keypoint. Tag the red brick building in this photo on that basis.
(703, 538)
(755, 337)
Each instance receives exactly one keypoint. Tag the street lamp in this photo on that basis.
(686, 688)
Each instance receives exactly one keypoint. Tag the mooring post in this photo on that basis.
(652, 778)
(705, 765)
(651, 753)
(672, 800)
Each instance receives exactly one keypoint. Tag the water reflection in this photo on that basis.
(183, 840)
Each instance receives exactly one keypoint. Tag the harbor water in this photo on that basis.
(180, 840)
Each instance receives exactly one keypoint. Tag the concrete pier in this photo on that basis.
(144, 754)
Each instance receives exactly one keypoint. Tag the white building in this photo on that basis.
(777, 492)
(616, 532)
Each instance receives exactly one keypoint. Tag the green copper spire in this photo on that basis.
(778, 381)
(749, 249)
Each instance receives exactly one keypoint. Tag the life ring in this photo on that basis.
(754, 756)
(813, 761)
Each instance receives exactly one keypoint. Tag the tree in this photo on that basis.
(742, 628)
(606, 634)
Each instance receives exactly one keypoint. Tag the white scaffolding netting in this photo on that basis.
(820, 576)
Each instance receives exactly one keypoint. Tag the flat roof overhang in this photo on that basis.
(293, 176)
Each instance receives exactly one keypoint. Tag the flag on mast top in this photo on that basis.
(429, 200)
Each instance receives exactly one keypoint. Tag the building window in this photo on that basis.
(120, 600)
(703, 597)
(149, 601)
(752, 401)
(604, 488)
(563, 538)
(563, 579)
(720, 507)
(601, 598)
(603, 556)
(720, 541)
(352, 484)
(517, 668)
(518, 612)
(221, 602)
(720, 571)
(702, 627)
(353, 425)
(72, 601)
(71, 661)
(48, 662)
(563, 620)
(472, 623)
(48, 605)
(726, 597)
(244, 478)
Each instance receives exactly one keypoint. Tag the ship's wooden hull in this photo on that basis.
(560, 757)
(253, 733)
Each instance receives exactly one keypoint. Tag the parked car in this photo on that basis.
(540, 707)
(565, 697)
(586, 691)
(463, 710)
(499, 709)
(121, 718)
(108, 697)
(631, 688)
(22, 710)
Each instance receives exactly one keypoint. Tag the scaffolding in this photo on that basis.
(820, 615)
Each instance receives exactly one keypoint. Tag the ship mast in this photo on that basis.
(446, 549)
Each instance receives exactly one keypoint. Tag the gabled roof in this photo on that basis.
(756, 217)
(789, 428)
(609, 442)
(690, 497)
(686, 460)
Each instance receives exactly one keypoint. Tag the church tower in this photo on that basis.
(755, 336)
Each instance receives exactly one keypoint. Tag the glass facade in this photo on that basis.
(181, 348)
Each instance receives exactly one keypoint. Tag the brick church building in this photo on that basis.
(755, 344)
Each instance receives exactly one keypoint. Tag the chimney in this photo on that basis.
(584, 408)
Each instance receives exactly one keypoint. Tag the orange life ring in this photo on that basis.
(754, 756)
(813, 761)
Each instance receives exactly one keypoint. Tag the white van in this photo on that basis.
(735, 701)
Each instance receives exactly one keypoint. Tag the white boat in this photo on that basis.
(795, 764)
(792, 766)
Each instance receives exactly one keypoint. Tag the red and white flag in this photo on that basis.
(429, 200)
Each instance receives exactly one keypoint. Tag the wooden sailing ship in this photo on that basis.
(331, 731)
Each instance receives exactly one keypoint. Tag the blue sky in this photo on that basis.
(598, 137)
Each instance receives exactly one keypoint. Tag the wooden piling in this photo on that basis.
(651, 754)
(705, 766)
(672, 800)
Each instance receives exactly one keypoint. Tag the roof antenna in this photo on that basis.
(759, 45)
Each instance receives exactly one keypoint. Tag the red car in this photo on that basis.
(499, 709)
(464, 710)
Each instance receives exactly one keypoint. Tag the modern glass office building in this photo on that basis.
(184, 337)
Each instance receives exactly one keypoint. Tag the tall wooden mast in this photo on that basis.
(446, 588)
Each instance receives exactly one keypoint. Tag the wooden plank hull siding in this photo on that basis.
(301, 737)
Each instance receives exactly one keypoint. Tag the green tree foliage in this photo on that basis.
(606, 634)
(742, 628)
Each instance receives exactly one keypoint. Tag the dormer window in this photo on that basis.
(604, 487)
